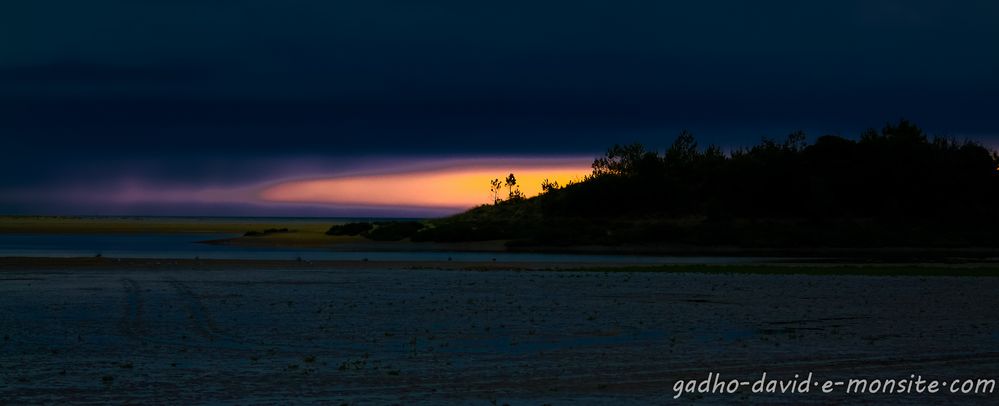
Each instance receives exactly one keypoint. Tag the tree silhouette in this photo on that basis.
(894, 186)
(549, 185)
(494, 187)
(683, 152)
(625, 160)
(795, 141)
(514, 190)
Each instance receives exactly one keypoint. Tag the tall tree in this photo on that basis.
(683, 152)
(494, 187)
(511, 183)
(624, 160)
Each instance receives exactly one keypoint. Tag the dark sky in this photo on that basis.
(209, 91)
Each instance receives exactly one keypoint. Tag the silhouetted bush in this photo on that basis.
(393, 230)
(350, 228)
(265, 232)
(466, 231)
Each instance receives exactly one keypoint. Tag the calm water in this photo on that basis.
(188, 246)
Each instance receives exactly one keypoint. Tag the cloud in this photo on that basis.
(457, 187)
(213, 91)
(409, 186)
(84, 72)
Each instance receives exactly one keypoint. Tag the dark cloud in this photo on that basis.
(68, 71)
(196, 85)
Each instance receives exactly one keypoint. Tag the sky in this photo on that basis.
(251, 107)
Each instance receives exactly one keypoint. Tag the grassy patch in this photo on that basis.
(126, 225)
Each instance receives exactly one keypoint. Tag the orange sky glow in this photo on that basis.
(457, 187)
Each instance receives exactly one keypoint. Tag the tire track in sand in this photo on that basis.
(131, 324)
(201, 321)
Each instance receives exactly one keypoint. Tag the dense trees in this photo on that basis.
(890, 187)
(894, 186)
(895, 173)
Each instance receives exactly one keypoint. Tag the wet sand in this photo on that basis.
(381, 333)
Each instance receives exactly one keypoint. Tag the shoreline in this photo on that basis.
(103, 263)
(310, 233)
(921, 269)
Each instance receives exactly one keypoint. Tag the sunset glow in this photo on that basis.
(458, 187)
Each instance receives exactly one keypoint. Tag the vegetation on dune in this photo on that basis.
(394, 230)
(893, 187)
(269, 231)
(350, 229)
(379, 231)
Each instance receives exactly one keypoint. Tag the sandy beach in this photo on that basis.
(99, 331)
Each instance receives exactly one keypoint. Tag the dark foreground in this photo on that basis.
(369, 334)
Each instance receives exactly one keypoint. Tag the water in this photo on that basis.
(190, 246)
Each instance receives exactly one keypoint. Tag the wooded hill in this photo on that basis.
(893, 187)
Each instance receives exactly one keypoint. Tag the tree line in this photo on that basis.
(897, 172)
(893, 186)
